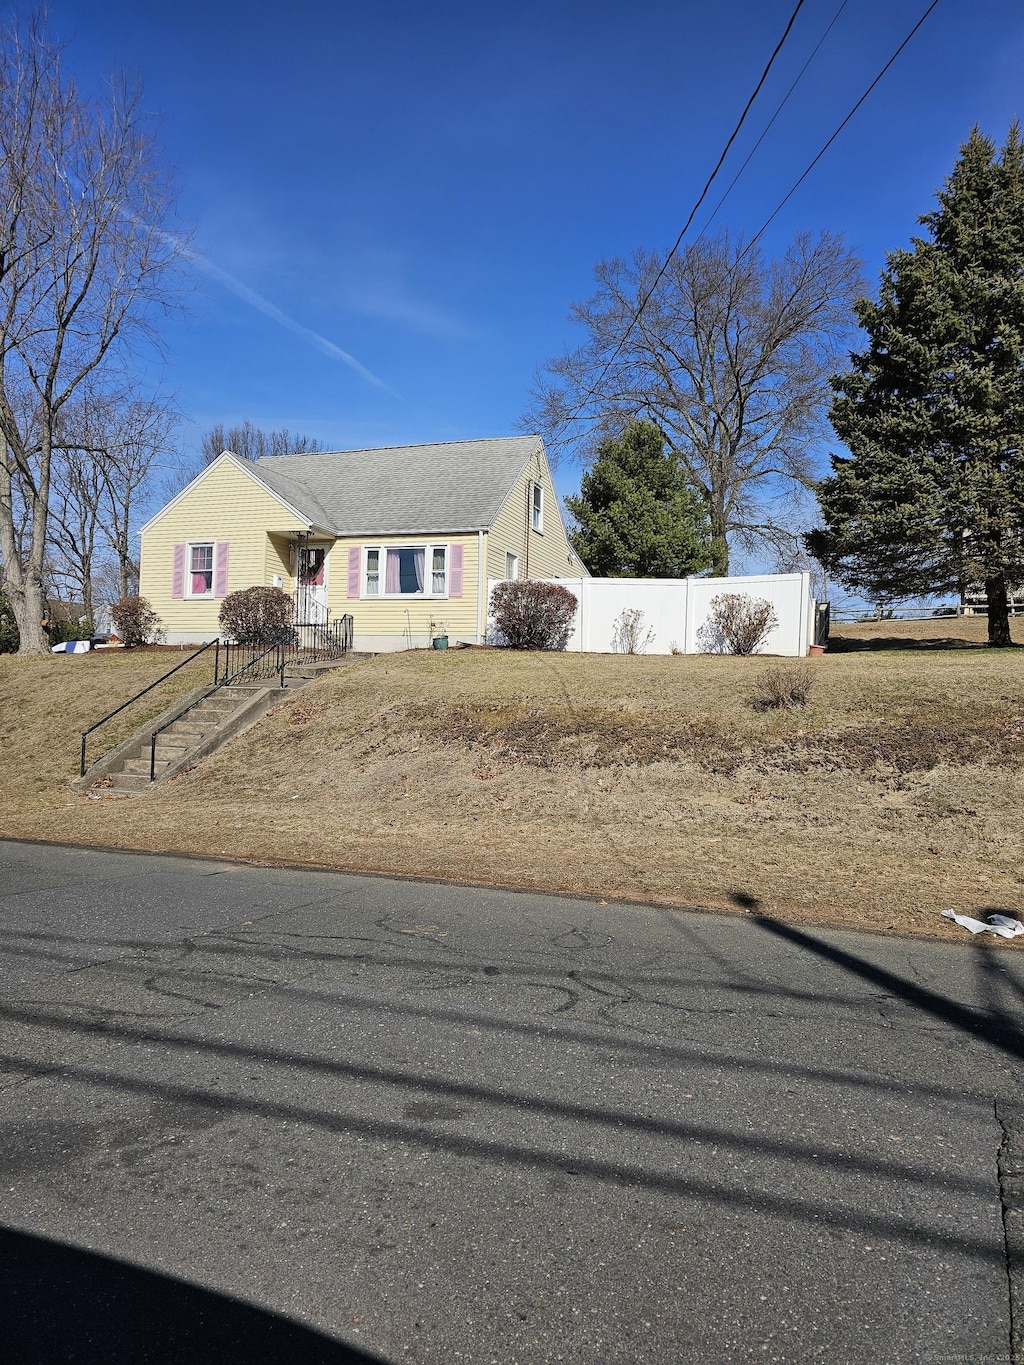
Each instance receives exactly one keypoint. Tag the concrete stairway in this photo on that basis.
(203, 725)
(195, 726)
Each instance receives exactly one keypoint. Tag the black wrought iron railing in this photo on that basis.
(313, 641)
(304, 642)
(252, 663)
(211, 644)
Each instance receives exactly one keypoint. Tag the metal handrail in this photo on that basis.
(210, 644)
(279, 667)
(217, 685)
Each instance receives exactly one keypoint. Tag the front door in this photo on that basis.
(311, 586)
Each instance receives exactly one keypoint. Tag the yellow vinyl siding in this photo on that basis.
(225, 504)
(387, 615)
(280, 561)
(542, 554)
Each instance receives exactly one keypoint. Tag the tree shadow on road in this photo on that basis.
(63, 1303)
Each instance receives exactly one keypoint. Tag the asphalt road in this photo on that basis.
(272, 1115)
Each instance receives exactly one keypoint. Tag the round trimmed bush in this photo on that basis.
(256, 616)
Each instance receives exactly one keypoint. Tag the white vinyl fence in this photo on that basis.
(676, 611)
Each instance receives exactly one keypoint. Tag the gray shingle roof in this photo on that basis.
(401, 490)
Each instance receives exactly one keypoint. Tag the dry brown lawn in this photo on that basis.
(895, 793)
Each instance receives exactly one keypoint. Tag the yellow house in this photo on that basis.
(403, 538)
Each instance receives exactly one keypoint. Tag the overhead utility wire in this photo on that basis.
(768, 126)
(693, 213)
(797, 183)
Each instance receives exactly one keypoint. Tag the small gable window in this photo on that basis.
(537, 518)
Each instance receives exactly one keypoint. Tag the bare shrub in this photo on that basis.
(533, 615)
(136, 622)
(628, 635)
(737, 624)
(256, 616)
(783, 688)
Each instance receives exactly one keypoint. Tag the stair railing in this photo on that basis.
(218, 682)
(210, 644)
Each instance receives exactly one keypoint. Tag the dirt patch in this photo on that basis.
(595, 737)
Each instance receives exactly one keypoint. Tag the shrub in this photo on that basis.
(783, 688)
(256, 616)
(136, 622)
(58, 632)
(738, 623)
(10, 637)
(628, 635)
(533, 615)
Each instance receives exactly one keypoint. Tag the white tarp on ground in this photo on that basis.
(676, 611)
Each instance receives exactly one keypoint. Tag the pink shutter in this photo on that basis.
(222, 549)
(355, 556)
(178, 572)
(455, 572)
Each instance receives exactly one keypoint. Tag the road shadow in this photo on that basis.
(994, 1025)
(62, 1303)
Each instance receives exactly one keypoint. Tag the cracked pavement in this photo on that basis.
(410, 1122)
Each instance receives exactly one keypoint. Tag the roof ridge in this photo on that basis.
(415, 445)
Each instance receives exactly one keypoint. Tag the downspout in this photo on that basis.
(480, 567)
(529, 501)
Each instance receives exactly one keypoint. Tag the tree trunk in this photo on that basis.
(29, 607)
(719, 545)
(998, 612)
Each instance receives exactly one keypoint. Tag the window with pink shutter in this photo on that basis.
(455, 582)
(220, 571)
(178, 572)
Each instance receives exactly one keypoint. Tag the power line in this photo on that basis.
(592, 390)
(797, 183)
(693, 213)
(768, 126)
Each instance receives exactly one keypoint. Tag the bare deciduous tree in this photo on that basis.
(105, 450)
(729, 358)
(85, 259)
(247, 441)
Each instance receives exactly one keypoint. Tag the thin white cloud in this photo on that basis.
(256, 300)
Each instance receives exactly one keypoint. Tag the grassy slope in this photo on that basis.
(895, 794)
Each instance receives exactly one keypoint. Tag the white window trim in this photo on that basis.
(429, 547)
(199, 596)
(510, 555)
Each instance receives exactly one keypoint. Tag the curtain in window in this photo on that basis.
(419, 561)
(393, 574)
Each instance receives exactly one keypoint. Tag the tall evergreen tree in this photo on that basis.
(637, 515)
(931, 498)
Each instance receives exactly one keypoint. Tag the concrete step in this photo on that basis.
(171, 753)
(208, 712)
(130, 782)
(141, 765)
(187, 737)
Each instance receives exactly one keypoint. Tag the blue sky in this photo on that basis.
(396, 203)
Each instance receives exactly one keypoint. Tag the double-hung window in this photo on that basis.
(537, 509)
(406, 571)
(199, 580)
